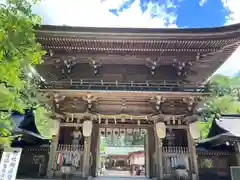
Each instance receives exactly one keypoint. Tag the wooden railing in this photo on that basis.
(69, 147)
(172, 158)
(84, 84)
(177, 150)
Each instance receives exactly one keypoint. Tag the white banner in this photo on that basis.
(9, 163)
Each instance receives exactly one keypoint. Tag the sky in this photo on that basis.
(141, 14)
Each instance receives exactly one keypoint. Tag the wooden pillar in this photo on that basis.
(151, 142)
(193, 156)
(147, 155)
(95, 142)
(157, 157)
(237, 151)
(52, 154)
(53, 151)
(98, 160)
(86, 156)
(160, 158)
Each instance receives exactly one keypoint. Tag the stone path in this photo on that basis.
(120, 178)
(119, 175)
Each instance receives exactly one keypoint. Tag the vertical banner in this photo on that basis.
(9, 163)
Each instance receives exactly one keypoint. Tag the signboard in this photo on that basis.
(9, 163)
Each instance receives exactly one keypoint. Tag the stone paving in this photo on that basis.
(119, 175)
(120, 178)
(108, 175)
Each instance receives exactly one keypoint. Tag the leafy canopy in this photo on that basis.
(19, 53)
(225, 98)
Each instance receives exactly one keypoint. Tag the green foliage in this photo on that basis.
(19, 51)
(102, 145)
(225, 98)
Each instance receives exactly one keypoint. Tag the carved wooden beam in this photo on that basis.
(190, 101)
(90, 100)
(182, 68)
(57, 98)
(158, 100)
(152, 65)
(95, 65)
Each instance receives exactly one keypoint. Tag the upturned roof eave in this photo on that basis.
(143, 33)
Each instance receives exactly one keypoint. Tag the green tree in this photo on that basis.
(102, 145)
(19, 53)
(223, 99)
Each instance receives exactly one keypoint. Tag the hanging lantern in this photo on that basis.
(87, 128)
(109, 131)
(194, 130)
(116, 131)
(102, 132)
(122, 132)
(143, 131)
(129, 131)
(160, 129)
(136, 131)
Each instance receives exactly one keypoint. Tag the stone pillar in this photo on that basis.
(193, 157)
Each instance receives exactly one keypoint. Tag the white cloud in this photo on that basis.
(231, 66)
(95, 13)
(234, 14)
(202, 2)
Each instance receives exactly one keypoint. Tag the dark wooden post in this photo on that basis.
(237, 151)
(193, 156)
(160, 158)
(157, 157)
(52, 154)
(147, 156)
(86, 156)
(53, 150)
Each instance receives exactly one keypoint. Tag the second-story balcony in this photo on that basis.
(148, 86)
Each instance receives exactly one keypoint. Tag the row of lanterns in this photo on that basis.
(193, 129)
(121, 131)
